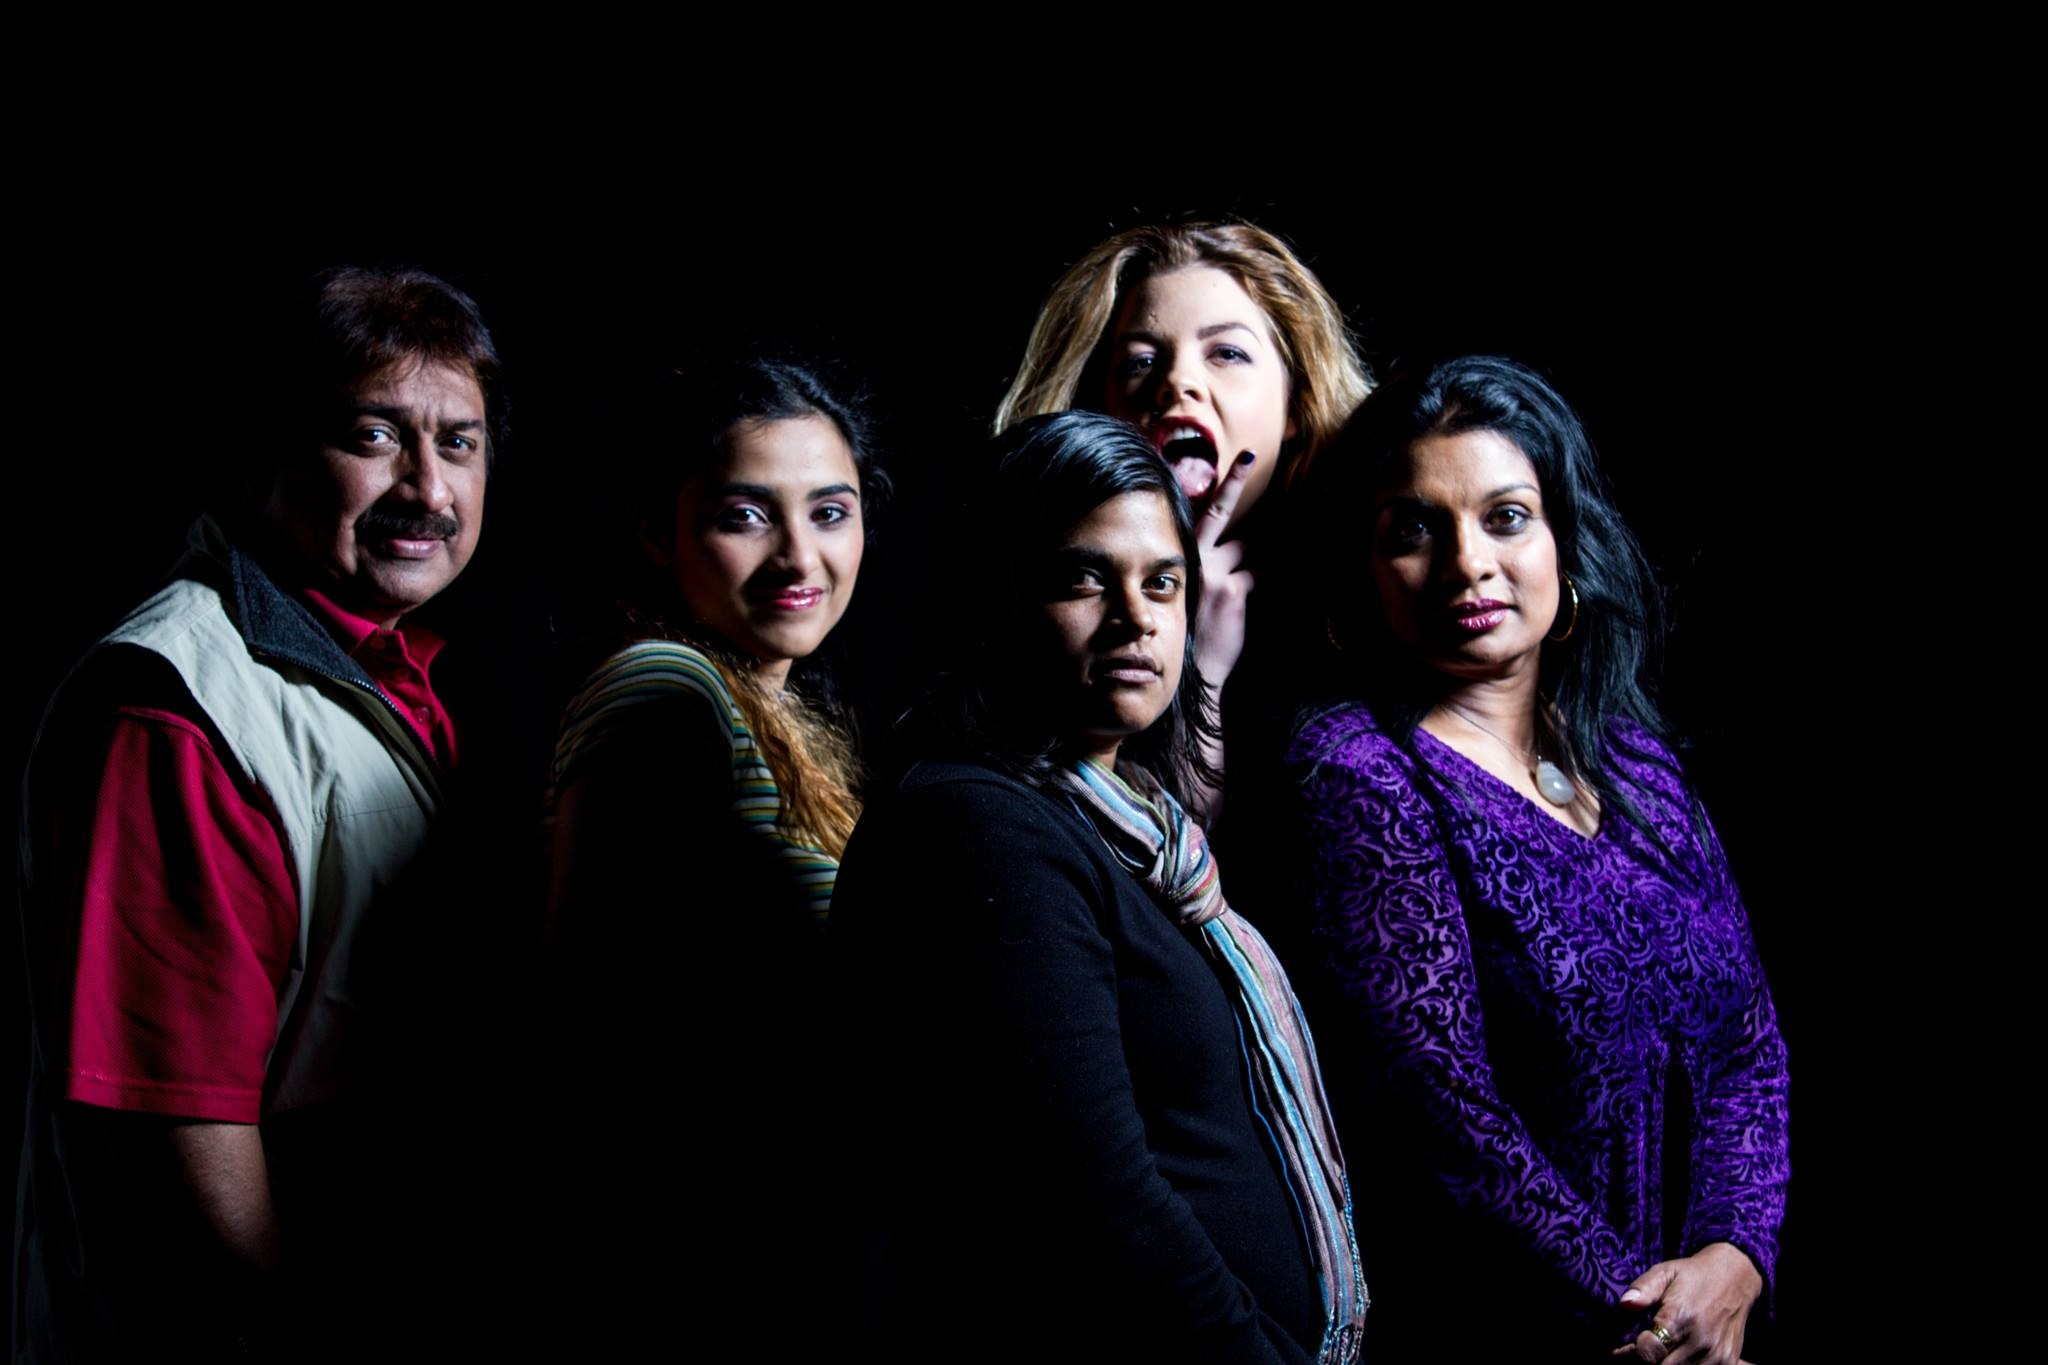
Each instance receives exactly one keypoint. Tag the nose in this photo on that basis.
(1136, 611)
(1180, 377)
(796, 553)
(425, 477)
(1468, 555)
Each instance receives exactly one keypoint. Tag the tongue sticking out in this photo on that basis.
(1197, 475)
(1193, 461)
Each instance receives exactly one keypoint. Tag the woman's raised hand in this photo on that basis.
(1226, 583)
(1701, 1305)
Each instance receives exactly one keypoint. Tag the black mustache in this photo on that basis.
(384, 523)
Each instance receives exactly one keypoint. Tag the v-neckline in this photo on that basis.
(1521, 796)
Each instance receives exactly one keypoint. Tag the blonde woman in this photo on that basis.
(1223, 348)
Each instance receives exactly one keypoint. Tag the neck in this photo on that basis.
(772, 674)
(1095, 752)
(1502, 707)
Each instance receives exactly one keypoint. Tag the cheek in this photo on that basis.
(845, 557)
(1117, 397)
(711, 571)
(1395, 586)
(1068, 627)
(338, 487)
(1173, 649)
(1539, 568)
(1268, 417)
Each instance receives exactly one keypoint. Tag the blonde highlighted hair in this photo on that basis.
(811, 757)
(1064, 360)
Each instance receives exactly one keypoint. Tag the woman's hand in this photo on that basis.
(1701, 1302)
(1219, 626)
(1226, 583)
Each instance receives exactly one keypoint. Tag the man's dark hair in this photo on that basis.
(364, 321)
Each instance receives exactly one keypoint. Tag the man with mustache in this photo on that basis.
(223, 794)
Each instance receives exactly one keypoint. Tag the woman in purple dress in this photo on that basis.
(1555, 1013)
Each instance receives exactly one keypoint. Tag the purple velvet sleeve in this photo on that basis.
(1388, 912)
(1740, 1157)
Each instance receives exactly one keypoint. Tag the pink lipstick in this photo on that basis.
(1476, 618)
(796, 599)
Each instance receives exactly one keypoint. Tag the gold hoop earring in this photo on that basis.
(1572, 621)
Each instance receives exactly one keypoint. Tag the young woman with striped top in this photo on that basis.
(700, 801)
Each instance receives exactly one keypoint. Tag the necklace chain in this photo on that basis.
(1551, 780)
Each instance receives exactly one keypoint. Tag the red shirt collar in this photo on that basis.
(420, 646)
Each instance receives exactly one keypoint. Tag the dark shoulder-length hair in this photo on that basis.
(1603, 669)
(1046, 475)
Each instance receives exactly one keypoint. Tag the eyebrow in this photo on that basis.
(1500, 492)
(1201, 333)
(1088, 554)
(404, 415)
(767, 494)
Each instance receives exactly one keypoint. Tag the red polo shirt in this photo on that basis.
(187, 905)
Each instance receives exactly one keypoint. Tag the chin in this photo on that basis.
(778, 647)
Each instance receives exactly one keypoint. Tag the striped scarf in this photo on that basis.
(666, 673)
(1152, 836)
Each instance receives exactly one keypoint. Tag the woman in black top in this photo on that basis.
(1089, 1120)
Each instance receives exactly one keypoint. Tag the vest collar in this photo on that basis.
(275, 624)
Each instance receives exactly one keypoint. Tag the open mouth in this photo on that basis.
(1190, 452)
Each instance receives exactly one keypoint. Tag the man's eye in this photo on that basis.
(464, 444)
(375, 436)
(1162, 585)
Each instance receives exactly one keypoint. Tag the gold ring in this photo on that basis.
(1663, 1334)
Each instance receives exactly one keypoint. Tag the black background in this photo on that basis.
(1691, 313)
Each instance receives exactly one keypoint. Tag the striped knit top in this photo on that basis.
(651, 673)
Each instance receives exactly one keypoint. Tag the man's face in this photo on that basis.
(387, 513)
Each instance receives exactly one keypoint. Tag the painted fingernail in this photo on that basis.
(1245, 457)
(1631, 1295)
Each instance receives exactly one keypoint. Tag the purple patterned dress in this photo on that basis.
(1571, 1036)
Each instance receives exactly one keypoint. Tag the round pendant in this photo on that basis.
(1557, 789)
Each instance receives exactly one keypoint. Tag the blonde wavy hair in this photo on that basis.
(1063, 361)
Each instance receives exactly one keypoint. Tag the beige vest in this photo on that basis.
(353, 790)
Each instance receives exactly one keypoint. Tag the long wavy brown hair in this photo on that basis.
(688, 420)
